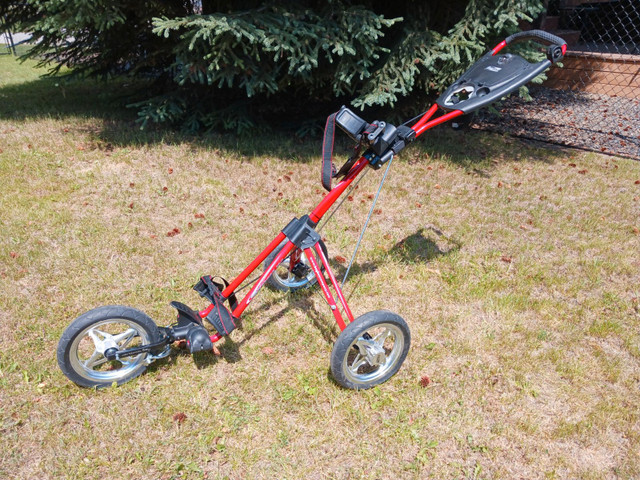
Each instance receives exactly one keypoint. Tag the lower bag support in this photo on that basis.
(220, 316)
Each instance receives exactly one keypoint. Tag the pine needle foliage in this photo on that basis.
(95, 37)
(233, 65)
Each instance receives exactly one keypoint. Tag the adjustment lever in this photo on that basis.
(373, 135)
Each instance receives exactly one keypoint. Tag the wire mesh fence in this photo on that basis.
(593, 102)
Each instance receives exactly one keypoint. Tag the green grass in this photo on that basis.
(518, 276)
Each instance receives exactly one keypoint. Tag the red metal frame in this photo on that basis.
(338, 190)
(425, 124)
(499, 47)
(334, 282)
(325, 288)
(422, 125)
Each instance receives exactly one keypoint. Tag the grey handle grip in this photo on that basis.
(557, 46)
(540, 35)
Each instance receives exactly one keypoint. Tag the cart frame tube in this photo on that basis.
(424, 124)
(315, 216)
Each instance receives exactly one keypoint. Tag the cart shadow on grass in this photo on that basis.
(421, 247)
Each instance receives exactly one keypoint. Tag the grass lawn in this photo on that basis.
(516, 266)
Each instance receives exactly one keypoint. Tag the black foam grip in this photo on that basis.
(539, 35)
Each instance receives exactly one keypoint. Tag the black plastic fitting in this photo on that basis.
(198, 339)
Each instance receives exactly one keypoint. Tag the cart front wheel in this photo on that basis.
(370, 350)
(82, 347)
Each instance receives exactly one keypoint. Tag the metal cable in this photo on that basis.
(384, 177)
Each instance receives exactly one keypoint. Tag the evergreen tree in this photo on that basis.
(97, 37)
(229, 64)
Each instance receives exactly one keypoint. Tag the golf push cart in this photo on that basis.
(114, 344)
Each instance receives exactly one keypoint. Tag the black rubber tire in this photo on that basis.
(69, 362)
(345, 350)
(282, 285)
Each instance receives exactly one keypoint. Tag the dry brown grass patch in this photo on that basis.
(518, 276)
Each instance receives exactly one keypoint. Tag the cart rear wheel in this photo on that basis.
(285, 280)
(370, 350)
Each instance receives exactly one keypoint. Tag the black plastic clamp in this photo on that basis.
(391, 143)
(300, 232)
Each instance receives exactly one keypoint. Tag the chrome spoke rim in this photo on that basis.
(87, 350)
(357, 363)
(361, 369)
(96, 359)
(125, 338)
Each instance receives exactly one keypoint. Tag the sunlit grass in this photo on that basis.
(518, 276)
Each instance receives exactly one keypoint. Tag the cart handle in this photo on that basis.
(557, 49)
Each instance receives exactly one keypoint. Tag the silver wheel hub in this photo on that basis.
(372, 352)
(290, 279)
(103, 341)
